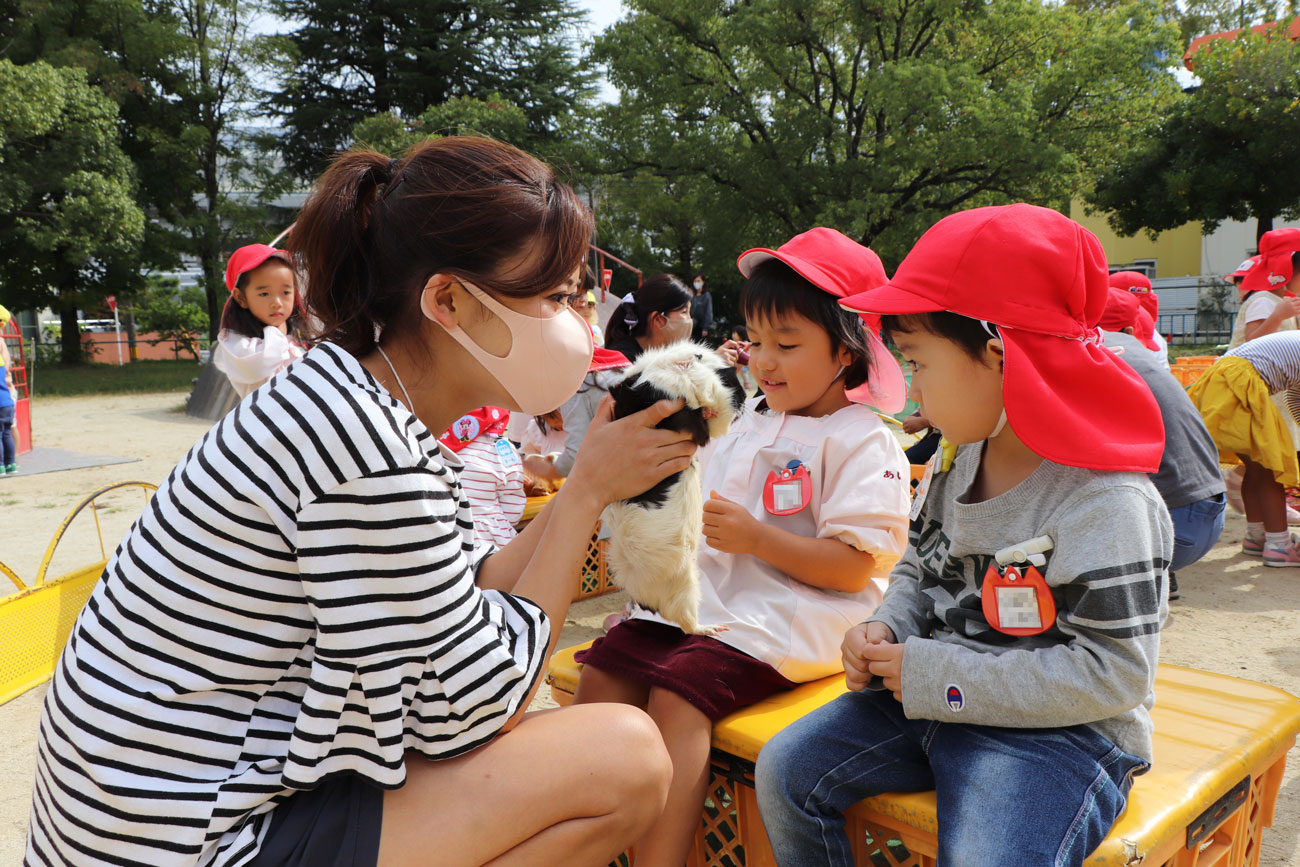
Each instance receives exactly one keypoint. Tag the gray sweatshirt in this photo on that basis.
(1096, 666)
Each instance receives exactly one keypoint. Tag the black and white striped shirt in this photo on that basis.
(296, 602)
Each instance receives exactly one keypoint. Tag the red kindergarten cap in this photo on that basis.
(247, 258)
(1274, 266)
(1140, 285)
(1041, 278)
(1123, 311)
(839, 265)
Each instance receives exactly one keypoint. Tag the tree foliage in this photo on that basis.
(175, 314)
(348, 62)
(876, 117)
(1225, 151)
(70, 227)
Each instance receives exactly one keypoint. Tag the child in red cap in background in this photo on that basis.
(493, 473)
(1188, 479)
(1138, 284)
(806, 515)
(1241, 400)
(261, 323)
(1010, 665)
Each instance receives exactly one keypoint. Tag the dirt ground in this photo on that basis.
(1235, 617)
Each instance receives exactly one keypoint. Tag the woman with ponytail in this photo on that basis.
(656, 314)
(298, 656)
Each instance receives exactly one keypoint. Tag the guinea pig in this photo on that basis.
(654, 536)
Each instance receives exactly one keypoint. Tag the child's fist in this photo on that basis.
(857, 673)
(728, 526)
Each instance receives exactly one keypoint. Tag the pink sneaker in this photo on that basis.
(1252, 546)
(1288, 555)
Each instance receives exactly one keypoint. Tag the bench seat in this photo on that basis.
(1220, 750)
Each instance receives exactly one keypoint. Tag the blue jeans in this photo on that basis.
(1010, 797)
(8, 454)
(1196, 528)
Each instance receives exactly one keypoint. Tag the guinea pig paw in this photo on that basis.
(710, 413)
(713, 631)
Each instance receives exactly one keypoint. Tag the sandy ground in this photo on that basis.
(1235, 617)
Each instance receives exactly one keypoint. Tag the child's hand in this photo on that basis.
(886, 662)
(728, 526)
(853, 648)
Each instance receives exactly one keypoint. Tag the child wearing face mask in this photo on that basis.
(1012, 659)
(807, 497)
(261, 324)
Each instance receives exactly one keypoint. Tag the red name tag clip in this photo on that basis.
(788, 490)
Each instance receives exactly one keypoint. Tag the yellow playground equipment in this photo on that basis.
(36, 619)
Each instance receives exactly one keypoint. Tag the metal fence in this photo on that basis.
(1182, 328)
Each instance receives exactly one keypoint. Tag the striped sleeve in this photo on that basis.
(1109, 574)
(409, 653)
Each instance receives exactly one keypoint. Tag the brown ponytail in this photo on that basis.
(375, 229)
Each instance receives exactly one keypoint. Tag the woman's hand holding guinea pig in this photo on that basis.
(628, 456)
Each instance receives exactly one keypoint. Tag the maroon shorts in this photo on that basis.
(712, 676)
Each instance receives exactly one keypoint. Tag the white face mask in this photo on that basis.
(699, 285)
(548, 358)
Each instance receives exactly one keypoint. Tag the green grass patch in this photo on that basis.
(1181, 349)
(55, 380)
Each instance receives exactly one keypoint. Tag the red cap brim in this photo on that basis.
(888, 299)
(1076, 403)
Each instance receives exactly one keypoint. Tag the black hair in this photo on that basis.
(775, 289)
(588, 279)
(662, 293)
(740, 329)
(964, 331)
(238, 319)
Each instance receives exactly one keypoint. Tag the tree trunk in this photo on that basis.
(1262, 226)
(70, 330)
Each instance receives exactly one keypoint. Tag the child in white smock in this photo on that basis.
(805, 513)
(261, 324)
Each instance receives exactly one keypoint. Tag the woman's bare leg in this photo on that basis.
(569, 786)
(687, 734)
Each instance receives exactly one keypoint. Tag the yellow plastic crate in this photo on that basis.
(1220, 750)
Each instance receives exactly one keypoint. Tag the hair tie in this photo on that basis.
(395, 176)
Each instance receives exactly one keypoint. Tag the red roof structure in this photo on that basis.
(1200, 42)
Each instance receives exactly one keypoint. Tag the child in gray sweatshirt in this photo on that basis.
(1010, 665)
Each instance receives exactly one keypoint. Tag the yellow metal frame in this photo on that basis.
(35, 621)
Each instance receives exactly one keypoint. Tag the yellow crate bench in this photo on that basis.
(1220, 750)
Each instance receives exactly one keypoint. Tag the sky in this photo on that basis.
(601, 14)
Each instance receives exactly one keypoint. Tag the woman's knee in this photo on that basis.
(632, 751)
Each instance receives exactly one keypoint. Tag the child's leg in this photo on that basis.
(859, 745)
(8, 453)
(687, 732)
(1264, 497)
(598, 685)
(1020, 798)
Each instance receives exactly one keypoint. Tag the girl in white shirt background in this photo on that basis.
(261, 324)
(789, 563)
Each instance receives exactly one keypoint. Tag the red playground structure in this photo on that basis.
(23, 409)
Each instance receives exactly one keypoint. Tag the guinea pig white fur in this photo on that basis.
(654, 536)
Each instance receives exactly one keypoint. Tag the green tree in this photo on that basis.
(175, 314)
(70, 228)
(181, 74)
(1221, 152)
(876, 117)
(349, 62)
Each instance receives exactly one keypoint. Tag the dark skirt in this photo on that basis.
(714, 677)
